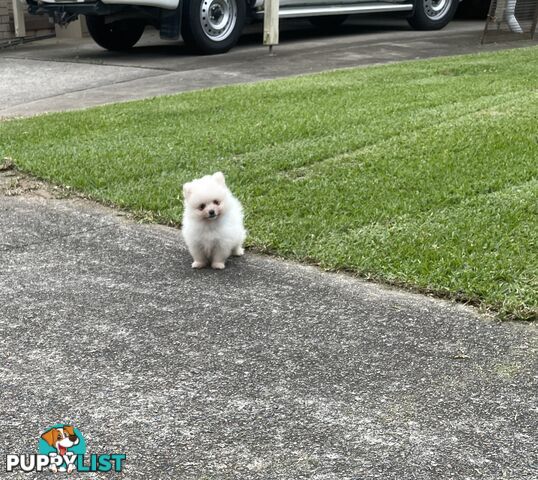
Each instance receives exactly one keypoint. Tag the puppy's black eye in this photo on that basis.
(202, 206)
(216, 202)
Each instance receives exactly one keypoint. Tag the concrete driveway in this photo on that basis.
(267, 370)
(54, 75)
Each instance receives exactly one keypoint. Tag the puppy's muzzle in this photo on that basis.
(211, 214)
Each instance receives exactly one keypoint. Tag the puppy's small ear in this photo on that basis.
(219, 177)
(187, 190)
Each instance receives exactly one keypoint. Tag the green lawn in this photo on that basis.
(422, 174)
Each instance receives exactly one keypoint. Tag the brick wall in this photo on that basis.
(4, 20)
(36, 26)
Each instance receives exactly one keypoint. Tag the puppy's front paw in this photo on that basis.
(198, 264)
(217, 265)
(238, 251)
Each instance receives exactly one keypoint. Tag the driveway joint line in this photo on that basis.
(87, 89)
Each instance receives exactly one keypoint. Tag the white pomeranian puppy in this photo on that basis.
(212, 221)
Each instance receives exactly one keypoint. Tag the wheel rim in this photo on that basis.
(436, 9)
(218, 18)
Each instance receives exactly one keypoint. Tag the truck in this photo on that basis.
(214, 26)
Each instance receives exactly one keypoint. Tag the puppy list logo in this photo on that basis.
(62, 448)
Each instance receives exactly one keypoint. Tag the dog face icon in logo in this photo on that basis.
(64, 441)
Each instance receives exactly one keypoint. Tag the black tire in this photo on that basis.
(432, 14)
(200, 33)
(327, 22)
(119, 35)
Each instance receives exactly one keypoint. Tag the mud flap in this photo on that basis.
(170, 23)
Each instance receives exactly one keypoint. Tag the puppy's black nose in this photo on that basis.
(211, 213)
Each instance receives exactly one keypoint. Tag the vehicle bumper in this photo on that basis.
(94, 7)
(79, 8)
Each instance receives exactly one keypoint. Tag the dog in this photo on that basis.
(212, 222)
(61, 438)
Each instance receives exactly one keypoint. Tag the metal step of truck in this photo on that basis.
(312, 11)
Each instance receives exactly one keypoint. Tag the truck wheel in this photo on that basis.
(432, 14)
(212, 26)
(118, 35)
(327, 22)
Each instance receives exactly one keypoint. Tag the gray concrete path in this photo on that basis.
(54, 75)
(267, 370)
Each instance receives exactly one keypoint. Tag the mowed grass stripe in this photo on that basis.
(501, 265)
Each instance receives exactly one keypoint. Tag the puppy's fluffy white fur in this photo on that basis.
(212, 221)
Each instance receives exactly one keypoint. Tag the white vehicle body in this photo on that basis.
(288, 8)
